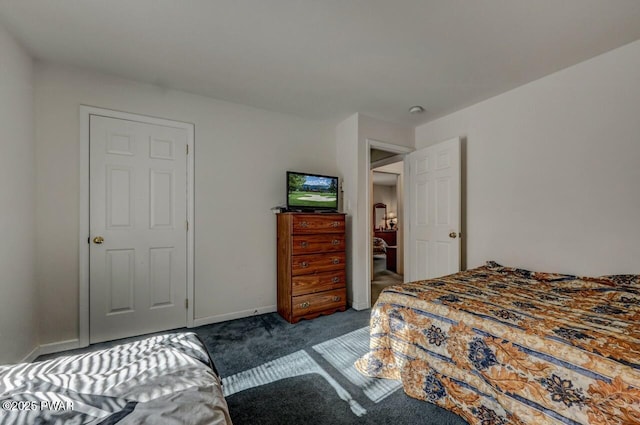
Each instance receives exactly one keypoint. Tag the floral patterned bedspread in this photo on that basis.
(500, 345)
(379, 246)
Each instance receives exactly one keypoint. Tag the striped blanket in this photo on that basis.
(162, 379)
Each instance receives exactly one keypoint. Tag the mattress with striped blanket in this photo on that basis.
(162, 379)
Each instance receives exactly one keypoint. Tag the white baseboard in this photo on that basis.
(32, 355)
(52, 347)
(56, 347)
(359, 306)
(235, 315)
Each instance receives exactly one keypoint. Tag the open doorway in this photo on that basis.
(386, 199)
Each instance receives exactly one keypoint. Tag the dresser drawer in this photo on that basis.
(317, 263)
(314, 303)
(306, 244)
(317, 223)
(317, 282)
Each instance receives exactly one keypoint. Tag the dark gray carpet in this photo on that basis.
(304, 398)
(242, 344)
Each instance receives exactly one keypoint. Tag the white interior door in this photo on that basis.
(433, 208)
(138, 228)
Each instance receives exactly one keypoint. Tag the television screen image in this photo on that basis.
(311, 191)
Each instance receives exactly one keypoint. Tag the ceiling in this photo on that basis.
(378, 155)
(328, 59)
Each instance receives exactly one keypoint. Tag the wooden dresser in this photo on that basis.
(311, 265)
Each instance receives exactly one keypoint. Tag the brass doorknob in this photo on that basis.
(98, 240)
(453, 235)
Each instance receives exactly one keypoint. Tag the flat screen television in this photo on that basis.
(311, 192)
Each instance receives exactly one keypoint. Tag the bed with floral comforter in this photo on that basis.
(500, 345)
(379, 246)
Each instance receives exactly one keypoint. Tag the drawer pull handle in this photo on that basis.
(337, 298)
(304, 224)
(305, 304)
(335, 242)
(335, 224)
(336, 279)
(304, 264)
(304, 244)
(335, 261)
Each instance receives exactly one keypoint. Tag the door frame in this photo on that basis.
(400, 151)
(84, 233)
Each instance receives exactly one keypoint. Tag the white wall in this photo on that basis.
(242, 154)
(553, 169)
(351, 139)
(18, 298)
(347, 156)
